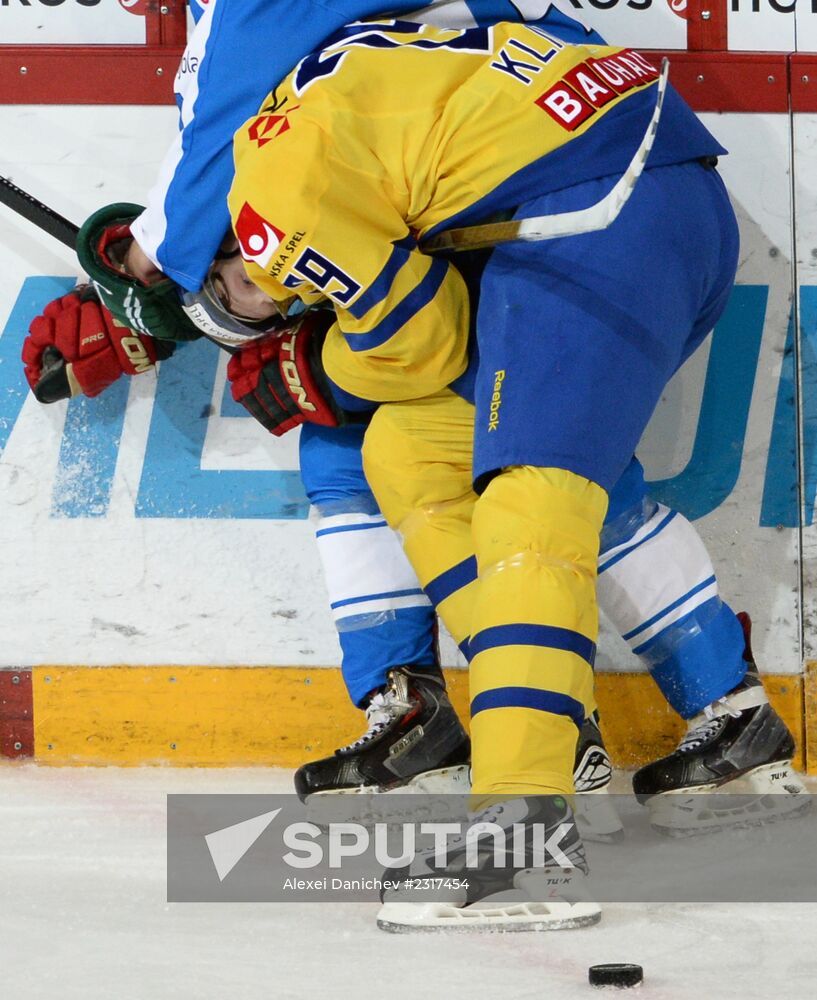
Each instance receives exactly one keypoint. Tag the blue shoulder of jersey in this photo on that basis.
(244, 49)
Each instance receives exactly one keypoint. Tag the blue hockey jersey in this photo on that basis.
(238, 52)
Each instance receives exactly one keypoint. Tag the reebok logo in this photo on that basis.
(496, 400)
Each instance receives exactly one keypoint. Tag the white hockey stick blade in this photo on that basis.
(551, 227)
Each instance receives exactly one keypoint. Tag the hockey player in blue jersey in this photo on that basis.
(690, 639)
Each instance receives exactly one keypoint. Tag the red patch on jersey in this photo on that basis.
(624, 71)
(257, 238)
(589, 85)
(594, 83)
(565, 107)
(265, 128)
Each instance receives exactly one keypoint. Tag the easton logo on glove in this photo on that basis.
(280, 380)
(289, 369)
(77, 347)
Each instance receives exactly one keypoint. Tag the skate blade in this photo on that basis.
(377, 803)
(765, 794)
(542, 899)
(596, 817)
(405, 918)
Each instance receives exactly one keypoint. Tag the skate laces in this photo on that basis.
(382, 710)
(715, 716)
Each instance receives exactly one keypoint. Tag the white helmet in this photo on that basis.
(209, 309)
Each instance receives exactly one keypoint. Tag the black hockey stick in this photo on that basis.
(41, 215)
(51, 222)
(56, 225)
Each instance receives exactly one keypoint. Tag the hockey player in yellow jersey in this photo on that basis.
(398, 131)
(504, 426)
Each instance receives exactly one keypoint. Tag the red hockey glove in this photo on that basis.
(280, 380)
(76, 347)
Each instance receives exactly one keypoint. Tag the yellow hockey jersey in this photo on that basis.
(396, 130)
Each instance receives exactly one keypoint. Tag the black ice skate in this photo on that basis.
(592, 773)
(738, 747)
(414, 743)
(519, 865)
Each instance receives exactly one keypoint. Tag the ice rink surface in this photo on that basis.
(83, 916)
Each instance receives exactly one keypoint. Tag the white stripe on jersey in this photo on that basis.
(674, 614)
(646, 579)
(150, 227)
(373, 610)
(365, 568)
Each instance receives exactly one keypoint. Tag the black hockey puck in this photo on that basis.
(621, 975)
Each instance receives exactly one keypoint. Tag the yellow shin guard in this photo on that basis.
(534, 628)
(530, 616)
(417, 458)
